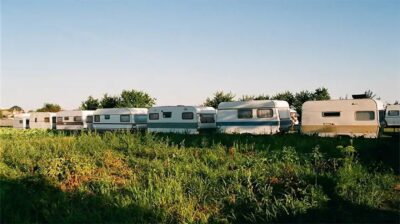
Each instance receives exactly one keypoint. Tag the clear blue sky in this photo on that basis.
(180, 52)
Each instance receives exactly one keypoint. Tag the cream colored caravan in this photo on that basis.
(355, 118)
(42, 120)
(21, 121)
(74, 119)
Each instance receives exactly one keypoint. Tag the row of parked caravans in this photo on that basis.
(359, 117)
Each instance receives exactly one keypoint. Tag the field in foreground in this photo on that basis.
(124, 177)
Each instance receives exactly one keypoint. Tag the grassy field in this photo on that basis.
(123, 177)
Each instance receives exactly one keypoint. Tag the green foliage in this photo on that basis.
(250, 97)
(134, 98)
(109, 101)
(16, 108)
(49, 107)
(219, 97)
(128, 98)
(287, 96)
(90, 104)
(370, 94)
(171, 178)
(321, 94)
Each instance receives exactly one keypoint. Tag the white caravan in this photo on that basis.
(120, 119)
(74, 119)
(393, 115)
(254, 117)
(21, 121)
(181, 119)
(42, 120)
(355, 118)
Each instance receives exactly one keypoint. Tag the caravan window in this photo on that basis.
(187, 115)
(107, 117)
(264, 113)
(35, 119)
(59, 119)
(89, 119)
(167, 114)
(96, 118)
(245, 113)
(125, 118)
(393, 113)
(66, 118)
(78, 118)
(365, 115)
(207, 118)
(141, 118)
(21, 121)
(154, 116)
(331, 114)
(47, 119)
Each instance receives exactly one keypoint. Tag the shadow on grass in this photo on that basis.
(340, 210)
(383, 153)
(34, 200)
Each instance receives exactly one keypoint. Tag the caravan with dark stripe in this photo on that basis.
(254, 117)
(181, 119)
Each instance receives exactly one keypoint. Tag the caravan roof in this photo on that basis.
(120, 111)
(198, 109)
(73, 112)
(21, 116)
(342, 104)
(253, 104)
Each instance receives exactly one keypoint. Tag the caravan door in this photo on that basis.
(53, 122)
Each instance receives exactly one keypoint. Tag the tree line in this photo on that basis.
(140, 99)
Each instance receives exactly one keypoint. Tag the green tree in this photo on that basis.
(262, 97)
(16, 108)
(219, 97)
(300, 98)
(370, 94)
(109, 101)
(49, 107)
(286, 96)
(134, 98)
(321, 94)
(90, 104)
(253, 97)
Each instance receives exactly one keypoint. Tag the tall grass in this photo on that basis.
(124, 177)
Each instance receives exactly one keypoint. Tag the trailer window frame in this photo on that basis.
(241, 113)
(207, 118)
(78, 118)
(47, 119)
(357, 118)
(107, 117)
(122, 118)
(265, 109)
(154, 116)
(89, 119)
(391, 115)
(185, 117)
(167, 114)
(331, 114)
(96, 118)
(66, 118)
